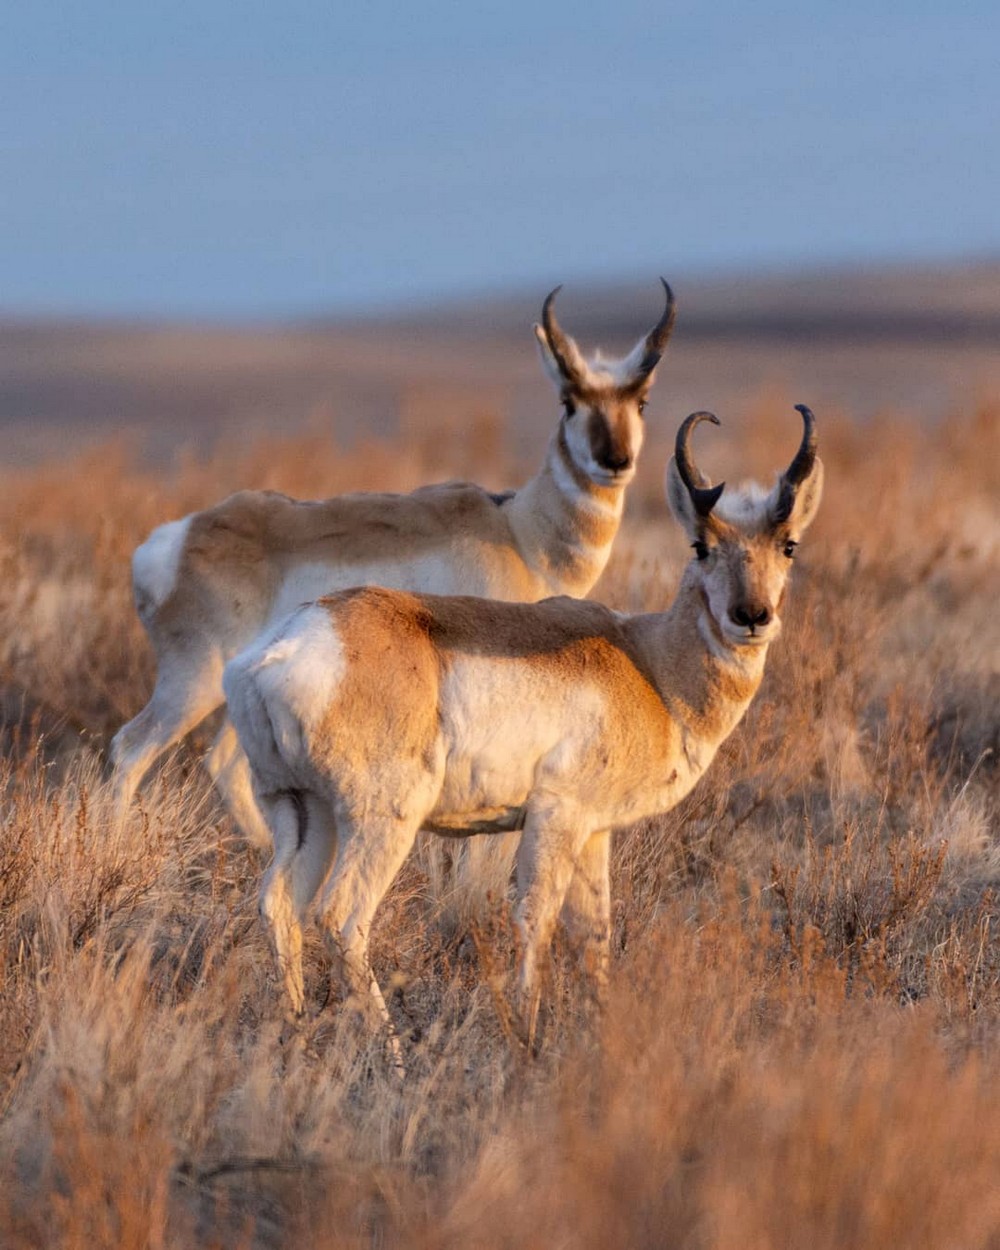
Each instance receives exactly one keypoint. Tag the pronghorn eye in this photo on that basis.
(569, 406)
(642, 406)
(700, 549)
(790, 549)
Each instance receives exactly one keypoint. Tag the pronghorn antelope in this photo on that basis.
(206, 586)
(373, 713)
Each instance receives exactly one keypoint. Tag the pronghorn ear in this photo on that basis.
(681, 504)
(572, 370)
(635, 371)
(549, 362)
(807, 499)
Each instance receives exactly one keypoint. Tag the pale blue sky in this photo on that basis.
(269, 159)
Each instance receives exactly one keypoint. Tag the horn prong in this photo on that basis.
(704, 496)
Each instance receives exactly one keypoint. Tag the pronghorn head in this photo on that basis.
(603, 399)
(744, 540)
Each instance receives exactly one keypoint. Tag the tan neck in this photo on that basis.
(564, 523)
(705, 682)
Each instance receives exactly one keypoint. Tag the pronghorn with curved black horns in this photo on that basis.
(206, 586)
(373, 713)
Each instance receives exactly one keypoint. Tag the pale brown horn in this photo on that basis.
(704, 496)
(558, 343)
(656, 339)
(801, 465)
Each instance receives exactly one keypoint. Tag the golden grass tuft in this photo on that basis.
(801, 1043)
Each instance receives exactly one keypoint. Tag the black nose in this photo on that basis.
(616, 461)
(750, 614)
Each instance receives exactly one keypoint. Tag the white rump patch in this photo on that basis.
(155, 564)
(300, 664)
(280, 687)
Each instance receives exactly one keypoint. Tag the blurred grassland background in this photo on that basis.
(301, 247)
(871, 340)
(802, 1044)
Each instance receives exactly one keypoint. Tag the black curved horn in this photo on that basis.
(558, 343)
(656, 339)
(703, 495)
(801, 465)
(805, 457)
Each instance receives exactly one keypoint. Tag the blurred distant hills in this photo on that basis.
(932, 303)
(920, 341)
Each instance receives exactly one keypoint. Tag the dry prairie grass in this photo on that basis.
(801, 1047)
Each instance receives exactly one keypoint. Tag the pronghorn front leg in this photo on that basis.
(546, 862)
(586, 911)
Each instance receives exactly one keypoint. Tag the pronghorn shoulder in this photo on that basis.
(378, 625)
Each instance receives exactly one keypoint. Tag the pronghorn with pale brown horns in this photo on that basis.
(373, 713)
(206, 586)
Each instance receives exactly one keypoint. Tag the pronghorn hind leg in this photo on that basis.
(176, 707)
(305, 843)
(133, 749)
(229, 769)
(371, 854)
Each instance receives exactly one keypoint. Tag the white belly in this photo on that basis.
(507, 730)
